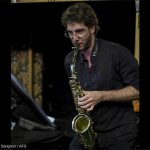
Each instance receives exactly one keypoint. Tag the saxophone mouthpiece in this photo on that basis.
(74, 47)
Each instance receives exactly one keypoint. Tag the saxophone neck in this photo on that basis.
(73, 63)
(73, 72)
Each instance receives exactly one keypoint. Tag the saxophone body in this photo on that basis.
(82, 123)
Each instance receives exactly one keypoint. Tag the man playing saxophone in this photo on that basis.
(109, 77)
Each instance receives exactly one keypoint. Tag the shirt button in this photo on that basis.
(85, 84)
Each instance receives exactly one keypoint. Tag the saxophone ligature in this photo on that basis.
(82, 123)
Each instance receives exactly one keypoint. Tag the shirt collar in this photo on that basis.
(94, 52)
(95, 49)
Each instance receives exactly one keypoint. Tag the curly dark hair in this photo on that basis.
(80, 12)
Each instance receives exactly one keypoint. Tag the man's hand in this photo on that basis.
(90, 99)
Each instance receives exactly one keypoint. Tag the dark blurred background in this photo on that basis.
(38, 25)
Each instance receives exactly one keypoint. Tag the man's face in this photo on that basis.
(80, 35)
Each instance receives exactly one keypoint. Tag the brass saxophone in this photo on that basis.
(82, 123)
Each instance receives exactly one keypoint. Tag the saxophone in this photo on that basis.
(81, 123)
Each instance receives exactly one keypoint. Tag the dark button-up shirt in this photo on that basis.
(113, 67)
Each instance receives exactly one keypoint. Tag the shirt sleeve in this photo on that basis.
(128, 68)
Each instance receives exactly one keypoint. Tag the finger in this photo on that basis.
(85, 102)
(90, 108)
(81, 99)
(84, 98)
(86, 106)
(85, 92)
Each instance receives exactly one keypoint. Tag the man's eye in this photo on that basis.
(80, 31)
(70, 33)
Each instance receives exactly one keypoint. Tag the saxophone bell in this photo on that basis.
(82, 125)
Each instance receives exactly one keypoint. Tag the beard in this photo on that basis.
(85, 44)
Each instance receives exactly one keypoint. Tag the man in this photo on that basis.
(109, 76)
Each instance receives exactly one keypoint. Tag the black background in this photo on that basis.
(38, 26)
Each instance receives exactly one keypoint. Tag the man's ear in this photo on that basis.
(92, 29)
